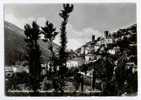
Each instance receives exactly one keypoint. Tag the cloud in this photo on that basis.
(77, 38)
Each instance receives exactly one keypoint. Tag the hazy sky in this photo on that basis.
(85, 20)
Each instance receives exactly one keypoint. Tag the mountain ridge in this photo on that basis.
(15, 44)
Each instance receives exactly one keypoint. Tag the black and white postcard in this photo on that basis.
(70, 49)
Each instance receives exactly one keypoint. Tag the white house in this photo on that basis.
(75, 62)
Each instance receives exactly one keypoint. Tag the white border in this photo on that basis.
(2, 2)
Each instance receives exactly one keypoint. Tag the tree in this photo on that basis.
(64, 14)
(33, 54)
(67, 9)
(120, 72)
(49, 33)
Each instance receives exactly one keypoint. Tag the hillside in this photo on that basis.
(15, 45)
(129, 34)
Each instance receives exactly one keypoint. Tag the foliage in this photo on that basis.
(32, 34)
(49, 34)
(67, 8)
(64, 14)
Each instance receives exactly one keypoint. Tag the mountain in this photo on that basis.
(15, 45)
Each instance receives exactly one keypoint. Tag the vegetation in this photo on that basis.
(34, 53)
(49, 35)
(67, 9)
(65, 15)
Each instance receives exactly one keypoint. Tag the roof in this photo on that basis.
(77, 59)
(8, 69)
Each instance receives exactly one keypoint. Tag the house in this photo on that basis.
(8, 71)
(94, 48)
(75, 62)
(20, 69)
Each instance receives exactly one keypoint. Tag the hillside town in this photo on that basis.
(86, 60)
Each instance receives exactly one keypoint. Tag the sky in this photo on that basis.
(85, 20)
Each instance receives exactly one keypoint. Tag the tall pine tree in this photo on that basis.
(49, 32)
(33, 54)
(67, 9)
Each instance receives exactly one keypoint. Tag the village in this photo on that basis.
(83, 62)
